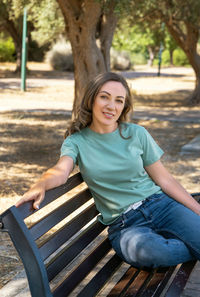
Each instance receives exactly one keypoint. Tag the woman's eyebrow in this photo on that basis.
(110, 94)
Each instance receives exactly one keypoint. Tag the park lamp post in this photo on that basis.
(24, 52)
(160, 51)
(160, 58)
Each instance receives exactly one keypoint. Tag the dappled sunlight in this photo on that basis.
(30, 144)
(15, 180)
(171, 136)
(171, 89)
(172, 99)
(159, 85)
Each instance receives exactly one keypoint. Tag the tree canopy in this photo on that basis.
(182, 19)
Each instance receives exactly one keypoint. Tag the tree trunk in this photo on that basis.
(151, 56)
(171, 57)
(16, 36)
(188, 43)
(194, 99)
(90, 33)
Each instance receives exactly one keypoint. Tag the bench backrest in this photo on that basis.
(78, 233)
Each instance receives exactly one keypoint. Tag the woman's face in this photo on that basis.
(107, 107)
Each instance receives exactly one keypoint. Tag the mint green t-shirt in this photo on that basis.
(113, 167)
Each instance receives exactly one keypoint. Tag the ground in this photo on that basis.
(30, 140)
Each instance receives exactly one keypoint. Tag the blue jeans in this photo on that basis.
(161, 232)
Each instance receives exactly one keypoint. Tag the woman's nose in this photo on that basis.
(111, 104)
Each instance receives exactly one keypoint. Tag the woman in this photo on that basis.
(152, 220)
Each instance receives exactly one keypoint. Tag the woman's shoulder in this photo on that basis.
(76, 136)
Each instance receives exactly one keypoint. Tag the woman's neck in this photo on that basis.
(103, 129)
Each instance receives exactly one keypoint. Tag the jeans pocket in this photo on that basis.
(116, 227)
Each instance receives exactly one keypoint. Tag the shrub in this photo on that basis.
(120, 60)
(60, 56)
(7, 50)
(180, 58)
(165, 57)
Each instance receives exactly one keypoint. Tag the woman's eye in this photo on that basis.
(104, 97)
(119, 101)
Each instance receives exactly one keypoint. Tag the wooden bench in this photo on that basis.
(74, 257)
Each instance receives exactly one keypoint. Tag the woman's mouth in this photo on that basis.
(108, 115)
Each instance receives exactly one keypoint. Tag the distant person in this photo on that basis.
(152, 220)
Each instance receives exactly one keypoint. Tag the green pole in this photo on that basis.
(160, 59)
(24, 52)
(160, 51)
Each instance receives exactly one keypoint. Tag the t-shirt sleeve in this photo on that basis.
(69, 148)
(151, 150)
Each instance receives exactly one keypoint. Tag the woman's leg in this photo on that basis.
(152, 235)
(141, 246)
(173, 219)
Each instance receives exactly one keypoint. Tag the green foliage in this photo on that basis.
(45, 17)
(7, 49)
(126, 38)
(169, 42)
(180, 58)
(138, 59)
(138, 39)
(48, 21)
(165, 57)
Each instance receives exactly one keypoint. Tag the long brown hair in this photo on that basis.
(84, 114)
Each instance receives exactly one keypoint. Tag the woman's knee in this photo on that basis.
(144, 256)
(138, 251)
(145, 253)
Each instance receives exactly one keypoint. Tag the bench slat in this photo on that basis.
(67, 231)
(180, 279)
(155, 281)
(158, 282)
(101, 278)
(59, 214)
(73, 249)
(125, 281)
(70, 283)
(138, 283)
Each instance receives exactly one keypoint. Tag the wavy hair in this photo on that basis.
(84, 114)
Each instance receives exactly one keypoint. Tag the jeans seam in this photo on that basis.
(178, 237)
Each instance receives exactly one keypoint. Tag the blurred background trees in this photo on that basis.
(182, 20)
(93, 36)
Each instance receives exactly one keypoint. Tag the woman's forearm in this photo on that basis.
(175, 190)
(171, 186)
(52, 178)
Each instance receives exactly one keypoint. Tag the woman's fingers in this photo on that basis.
(38, 200)
(35, 195)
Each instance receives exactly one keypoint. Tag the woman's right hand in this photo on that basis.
(35, 194)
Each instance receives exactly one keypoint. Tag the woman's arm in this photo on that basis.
(171, 186)
(53, 177)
